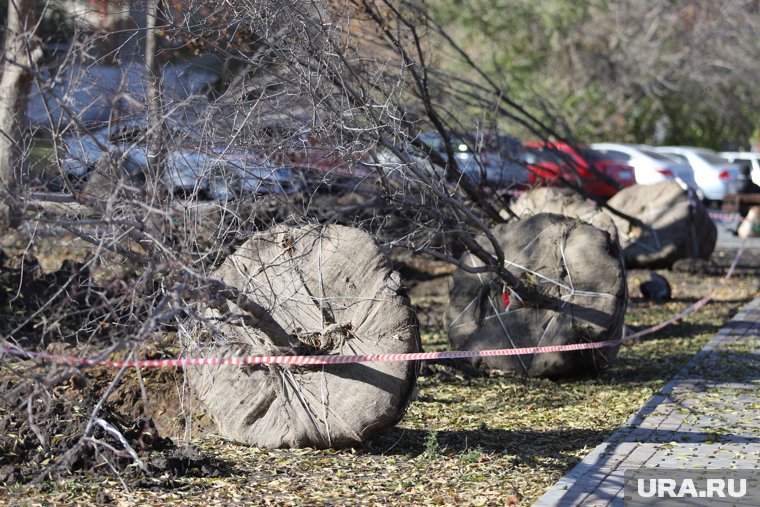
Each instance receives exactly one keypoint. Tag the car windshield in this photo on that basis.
(434, 140)
(655, 155)
(591, 155)
(711, 157)
(541, 155)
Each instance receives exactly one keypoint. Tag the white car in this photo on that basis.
(711, 172)
(189, 167)
(745, 157)
(648, 166)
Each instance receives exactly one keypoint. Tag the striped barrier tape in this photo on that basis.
(725, 217)
(305, 360)
(366, 358)
(514, 192)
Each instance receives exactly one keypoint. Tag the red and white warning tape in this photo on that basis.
(514, 192)
(306, 360)
(364, 358)
(725, 217)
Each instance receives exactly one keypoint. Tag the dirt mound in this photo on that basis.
(43, 433)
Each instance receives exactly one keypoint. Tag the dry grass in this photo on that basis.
(494, 440)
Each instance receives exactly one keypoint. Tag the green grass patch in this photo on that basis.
(40, 160)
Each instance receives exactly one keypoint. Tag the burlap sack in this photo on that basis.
(335, 293)
(563, 201)
(677, 225)
(577, 273)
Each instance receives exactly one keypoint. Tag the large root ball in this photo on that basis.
(575, 291)
(563, 201)
(675, 225)
(333, 292)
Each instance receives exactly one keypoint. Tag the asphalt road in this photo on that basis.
(726, 233)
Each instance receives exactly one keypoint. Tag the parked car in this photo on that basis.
(191, 165)
(94, 93)
(648, 165)
(405, 171)
(745, 157)
(324, 160)
(551, 162)
(712, 173)
(496, 162)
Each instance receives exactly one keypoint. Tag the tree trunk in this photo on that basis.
(19, 54)
(155, 136)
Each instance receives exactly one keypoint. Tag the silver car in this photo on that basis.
(712, 172)
(648, 165)
(745, 157)
(190, 165)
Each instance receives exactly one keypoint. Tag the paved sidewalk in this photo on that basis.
(708, 416)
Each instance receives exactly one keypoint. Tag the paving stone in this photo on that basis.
(693, 423)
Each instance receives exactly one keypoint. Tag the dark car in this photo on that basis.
(492, 161)
(191, 164)
(96, 94)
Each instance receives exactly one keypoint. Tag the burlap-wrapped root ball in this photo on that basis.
(576, 290)
(677, 225)
(563, 201)
(334, 292)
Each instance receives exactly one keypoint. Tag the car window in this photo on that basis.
(182, 136)
(614, 155)
(591, 155)
(535, 155)
(433, 140)
(511, 150)
(471, 141)
(712, 157)
(138, 134)
(655, 155)
(530, 157)
(458, 144)
(289, 138)
(678, 157)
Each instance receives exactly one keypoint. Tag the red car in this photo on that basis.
(316, 159)
(549, 162)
